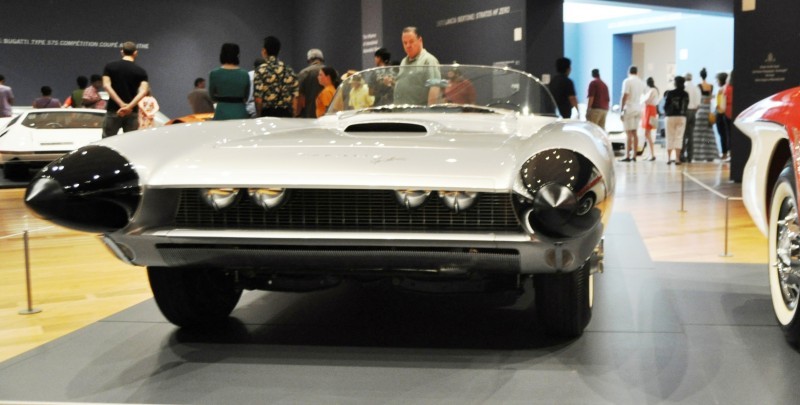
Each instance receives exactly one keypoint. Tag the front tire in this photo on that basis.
(564, 301)
(784, 251)
(192, 297)
(16, 171)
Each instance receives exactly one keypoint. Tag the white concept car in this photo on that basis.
(467, 185)
(35, 137)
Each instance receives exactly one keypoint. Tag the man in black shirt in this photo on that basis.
(563, 89)
(126, 84)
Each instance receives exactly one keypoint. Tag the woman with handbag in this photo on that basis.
(676, 102)
(650, 116)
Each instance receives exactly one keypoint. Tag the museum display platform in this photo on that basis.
(677, 332)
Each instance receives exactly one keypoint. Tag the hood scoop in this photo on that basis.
(386, 127)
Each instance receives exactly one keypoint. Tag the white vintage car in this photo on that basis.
(769, 191)
(36, 137)
(435, 186)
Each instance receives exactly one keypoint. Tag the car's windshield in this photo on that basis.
(445, 88)
(63, 119)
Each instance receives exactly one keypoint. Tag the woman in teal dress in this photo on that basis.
(229, 86)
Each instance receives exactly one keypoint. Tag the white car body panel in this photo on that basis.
(764, 137)
(480, 154)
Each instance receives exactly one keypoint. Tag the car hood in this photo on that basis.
(478, 153)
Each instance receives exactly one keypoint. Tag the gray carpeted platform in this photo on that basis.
(661, 332)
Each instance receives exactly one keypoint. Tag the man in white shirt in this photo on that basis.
(633, 89)
(691, 110)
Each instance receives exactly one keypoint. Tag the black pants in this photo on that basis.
(686, 152)
(112, 123)
(276, 112)
(724, 131)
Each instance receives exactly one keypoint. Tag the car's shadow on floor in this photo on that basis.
(377, 316)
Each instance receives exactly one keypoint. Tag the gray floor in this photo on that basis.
(661, 332)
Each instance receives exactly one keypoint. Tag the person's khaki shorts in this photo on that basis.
(630, 120)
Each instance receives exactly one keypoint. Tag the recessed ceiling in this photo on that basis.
(580, 12)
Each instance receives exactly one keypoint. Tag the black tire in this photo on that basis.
(16, 171)
(784, 280)
(563, 301)
(194, 297)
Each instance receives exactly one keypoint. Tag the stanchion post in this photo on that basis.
(30, 309)
(727, 212)
(683, 179)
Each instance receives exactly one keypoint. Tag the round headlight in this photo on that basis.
(267, 198)
(92, 189)
(564, 194)
(458, 200)
(411, 198)
(219, 198)
(561, 166)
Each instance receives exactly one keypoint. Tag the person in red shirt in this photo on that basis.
(724, 112)
(597, 101)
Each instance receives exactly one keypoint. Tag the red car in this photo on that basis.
(769, 190)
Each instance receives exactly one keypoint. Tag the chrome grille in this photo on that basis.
(349, 210)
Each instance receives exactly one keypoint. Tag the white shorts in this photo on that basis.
(630, 120)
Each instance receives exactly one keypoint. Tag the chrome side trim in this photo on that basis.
(246, 234)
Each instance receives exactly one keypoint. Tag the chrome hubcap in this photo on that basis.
(788, 255)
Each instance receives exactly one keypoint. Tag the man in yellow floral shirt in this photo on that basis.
(275, 85)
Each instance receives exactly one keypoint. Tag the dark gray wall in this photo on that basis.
(544, 35)
(332, 26)
(459, 31)
(766, 60)
(183, 38)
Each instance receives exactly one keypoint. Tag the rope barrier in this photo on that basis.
(727, 199)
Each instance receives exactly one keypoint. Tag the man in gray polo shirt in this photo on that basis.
(419, 78)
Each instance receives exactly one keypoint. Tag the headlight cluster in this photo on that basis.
(264, 197)
(456, 201)
(92, 189)
(273, 198)
(562, 195)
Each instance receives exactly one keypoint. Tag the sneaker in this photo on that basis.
(627, 159)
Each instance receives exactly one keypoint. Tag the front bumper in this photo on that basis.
(354, 252)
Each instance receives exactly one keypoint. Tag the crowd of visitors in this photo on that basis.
(689, 119)
(272, 88)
